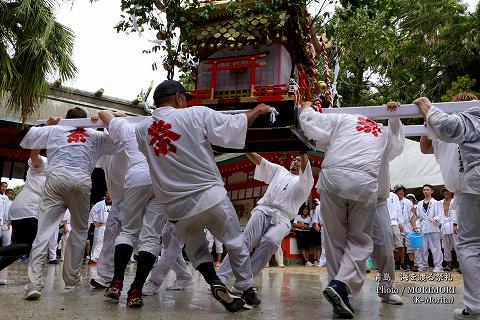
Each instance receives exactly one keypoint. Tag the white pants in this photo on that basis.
(212, 240)
(347, 240)
(323, 259)
(143, 220)
(52, 246)
(105, 265)
(222, 221)
(171, 257)
(382, 237)
(279, 255)
(6, 237)
(430, 241)
(61, 192)
(469, 249)
(449, 244)
(64, 243)
(97, 243)
(263, 237)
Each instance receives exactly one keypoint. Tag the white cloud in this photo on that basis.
(104, 58)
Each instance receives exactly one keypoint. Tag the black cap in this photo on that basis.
(398, 187)
(169, 88)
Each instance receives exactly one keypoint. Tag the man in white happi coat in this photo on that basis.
(270, 219)
(429, 216)
(382, 231)
(348, 185)
(143, 218)
(409, 223)
(5, 227)
(449, 227)
(463, 129)
(115, 168)
(23, 212)
(99, 215)
(177, 144)
(318, 223)
(448, 156)
(72, 155)
(396, 222)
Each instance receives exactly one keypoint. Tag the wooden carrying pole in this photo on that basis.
(375, 112)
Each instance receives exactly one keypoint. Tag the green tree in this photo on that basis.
(400, 49)
(462, 84)
(34, 48)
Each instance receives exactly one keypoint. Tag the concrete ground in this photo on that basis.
(290, 293)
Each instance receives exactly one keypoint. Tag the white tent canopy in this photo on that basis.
(413, 169)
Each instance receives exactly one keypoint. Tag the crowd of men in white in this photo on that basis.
(165, 190)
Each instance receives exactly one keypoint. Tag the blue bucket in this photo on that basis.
(416, 240)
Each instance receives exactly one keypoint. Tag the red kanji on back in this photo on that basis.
(77, 135)
(367, 125)
(162, 137)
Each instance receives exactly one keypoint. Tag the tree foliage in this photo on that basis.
(172, 20)
(33, 49)
(462, 84)
(400, 49)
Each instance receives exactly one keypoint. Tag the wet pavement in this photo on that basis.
(290, 293)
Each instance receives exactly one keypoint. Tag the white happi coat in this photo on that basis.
(137, 173)
(406, 207)
(176, 143)
(99, 213)
(448, 222)
(349, 170)
(394, 210)
(451, 164)
(26, 203)
(72, 150)
(426, 218)
(285, 193)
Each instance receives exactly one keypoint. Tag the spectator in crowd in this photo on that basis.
(429, 218)
(316, 234)
(3, 187)
(405, 216)
(10, 193)
(449, 228)
(409, 222)
(5, 228)
(99, 215)
(412, 253)
(301, 223)
(396, 221)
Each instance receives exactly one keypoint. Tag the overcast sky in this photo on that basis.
(104, 58)
(107, 59)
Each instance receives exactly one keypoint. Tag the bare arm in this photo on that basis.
(426, 146)
(107, 116)
(36, 158)
(255, 112)
(254, 157)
